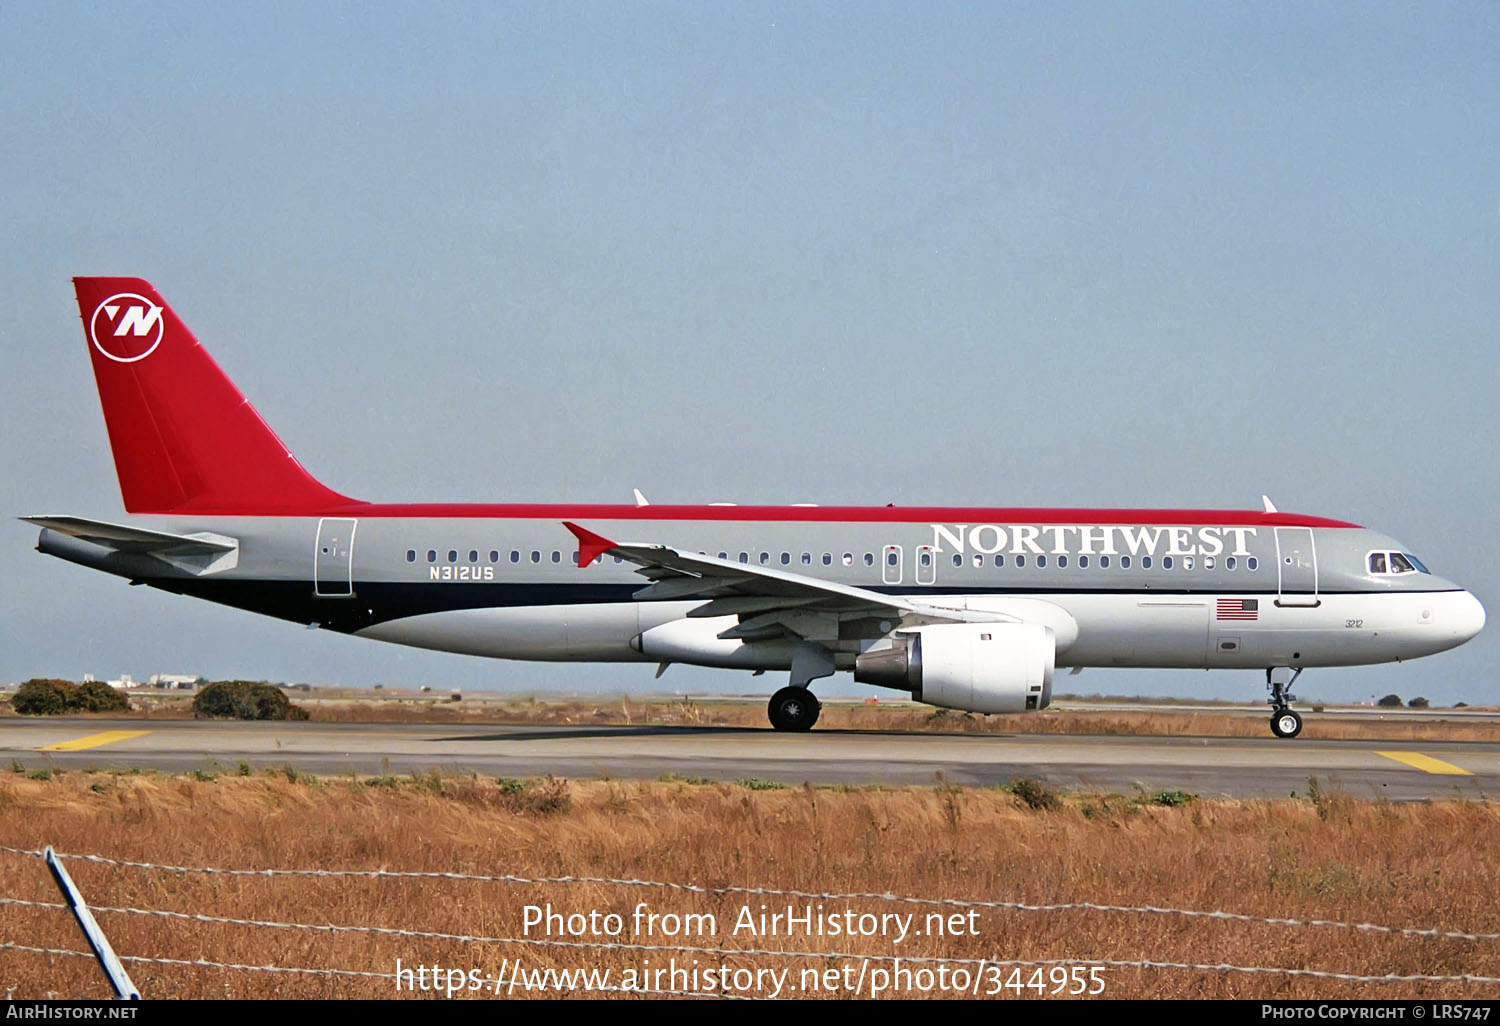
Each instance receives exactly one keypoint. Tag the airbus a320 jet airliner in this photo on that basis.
(970, 609)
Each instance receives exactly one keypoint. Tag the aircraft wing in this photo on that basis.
(198, 553)
(768, 601)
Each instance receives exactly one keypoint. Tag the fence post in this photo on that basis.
(108, 960)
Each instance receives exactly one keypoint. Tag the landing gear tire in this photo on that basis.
(793, 708)
(1279, 680)
(1286, 723)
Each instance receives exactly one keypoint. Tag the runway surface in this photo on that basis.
(1232, 767)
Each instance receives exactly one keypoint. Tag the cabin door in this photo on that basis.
(1296, 567)
(333, 558)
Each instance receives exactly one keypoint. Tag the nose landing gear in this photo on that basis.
(1285, 721)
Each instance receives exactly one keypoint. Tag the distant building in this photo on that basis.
(180, 681)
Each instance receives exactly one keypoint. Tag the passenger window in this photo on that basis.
(1124, 562)
(1208, 563)
(494, 556)
(765, 559)
(453, 555)
(848, 559)
(869, 559)
(1252, 563)
(1104, 562)
(807, 559)
(1041, 561)
(473, 555)
(828, 559)
(556, 556)
(536, 556)
(744, 557)
(411, 555)
(958, 560)
(890, 559)
(723, 555)
(978, 560)
(432, 555)
(1145, 562)
(515, 556)
(786, 559)
(1083, 562)
(999, 560)
(924, 556)
(1166, 562)
(1230, 562)
(1062, 561)
(1020, 560)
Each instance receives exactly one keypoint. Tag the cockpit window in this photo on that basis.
(1391, 563)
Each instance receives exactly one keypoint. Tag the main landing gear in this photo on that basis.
(1285, 721)
(794, 708)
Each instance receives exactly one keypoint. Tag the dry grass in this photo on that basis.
(1331, 857)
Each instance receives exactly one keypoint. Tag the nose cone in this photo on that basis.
(1466, 618)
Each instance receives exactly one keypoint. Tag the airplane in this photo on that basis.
(968, 609)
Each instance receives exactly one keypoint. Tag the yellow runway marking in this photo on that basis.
(93, 740)
(1427, 764)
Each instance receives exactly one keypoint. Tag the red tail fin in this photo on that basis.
(184, 438)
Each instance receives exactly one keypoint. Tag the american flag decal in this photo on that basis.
(1239, 609)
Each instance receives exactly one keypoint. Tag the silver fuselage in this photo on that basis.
(1244, 590)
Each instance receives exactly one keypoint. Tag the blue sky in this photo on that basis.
(1175, 254)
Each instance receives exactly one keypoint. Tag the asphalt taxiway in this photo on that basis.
(1207, 766)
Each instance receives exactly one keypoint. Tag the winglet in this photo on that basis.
(590, 545)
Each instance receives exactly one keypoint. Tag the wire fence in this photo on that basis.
(971, 966)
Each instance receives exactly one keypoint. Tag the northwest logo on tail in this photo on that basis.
(126, 327)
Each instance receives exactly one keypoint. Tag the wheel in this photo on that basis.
(793, 709)
(1286, 723)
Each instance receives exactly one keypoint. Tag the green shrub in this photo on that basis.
(245, 700)
(1418, 703)
(1390, 702)
(43, 697)
(51, 697)
(94, 696)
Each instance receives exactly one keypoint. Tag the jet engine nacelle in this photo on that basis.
(977, 667)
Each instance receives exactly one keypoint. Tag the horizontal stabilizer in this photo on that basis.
(198, 553)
